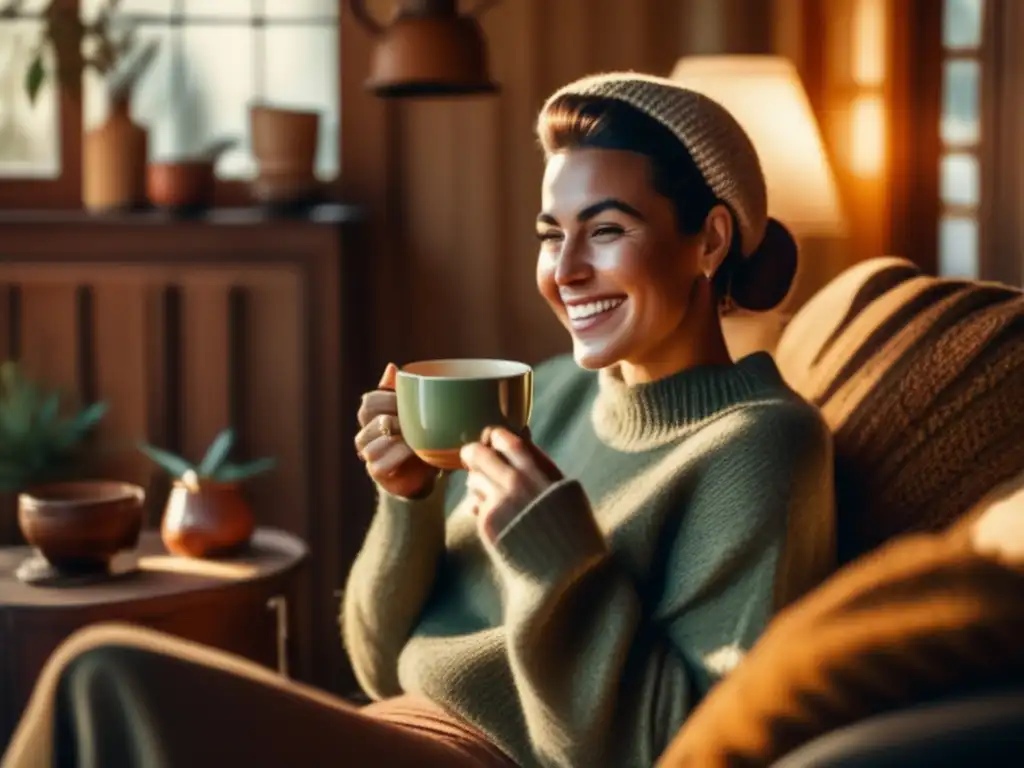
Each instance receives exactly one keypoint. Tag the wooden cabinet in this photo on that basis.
(188, 326)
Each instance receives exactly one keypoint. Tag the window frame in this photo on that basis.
(65, 190)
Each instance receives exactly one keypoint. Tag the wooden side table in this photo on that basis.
(239, 605)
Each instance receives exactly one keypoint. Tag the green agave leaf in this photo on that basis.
(34, 77)
(217, 453)
(87, 419)
(174, 465)
(236, 473)
(47, 414)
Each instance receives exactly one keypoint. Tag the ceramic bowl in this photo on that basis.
(80, 526)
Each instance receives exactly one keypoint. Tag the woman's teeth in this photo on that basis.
(584, 311)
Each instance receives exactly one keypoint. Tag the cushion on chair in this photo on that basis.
(922, 381)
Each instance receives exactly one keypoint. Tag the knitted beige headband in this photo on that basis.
(720, 148)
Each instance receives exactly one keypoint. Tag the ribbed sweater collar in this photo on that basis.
(642, 416)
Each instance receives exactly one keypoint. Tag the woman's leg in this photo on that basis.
(116, 695)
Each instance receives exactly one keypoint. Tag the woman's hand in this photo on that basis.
(506, 473)
(389, 460)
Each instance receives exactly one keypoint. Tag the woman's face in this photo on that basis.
(613, 264)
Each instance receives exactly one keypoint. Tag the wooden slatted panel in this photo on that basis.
(205, 360)
(49, 333)
(123, 339)
(274, 392)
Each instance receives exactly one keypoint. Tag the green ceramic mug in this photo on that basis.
(445, 404)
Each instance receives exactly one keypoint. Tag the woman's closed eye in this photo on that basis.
(550, 236)
(607, 232)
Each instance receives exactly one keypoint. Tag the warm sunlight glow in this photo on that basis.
(196, 567)
(802, 191)
(868, 65)
(867, 135)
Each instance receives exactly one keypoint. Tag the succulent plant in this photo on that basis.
(214, 466)
(38, 443)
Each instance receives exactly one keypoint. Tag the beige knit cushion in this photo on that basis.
(922, 381)
(720, 148)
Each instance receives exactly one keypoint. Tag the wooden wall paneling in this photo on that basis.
(478, 255)
(121, 306)
(433, 213)
(50, 333)
(371, 159)
(622, 36)
(205, 360)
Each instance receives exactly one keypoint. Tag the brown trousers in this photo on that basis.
(115, 696)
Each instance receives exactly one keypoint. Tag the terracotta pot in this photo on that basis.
(284, 143)
(114, 163)
(209, 520)
(180, 186)
(80, 526)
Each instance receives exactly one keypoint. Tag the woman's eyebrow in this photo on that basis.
(609, 204)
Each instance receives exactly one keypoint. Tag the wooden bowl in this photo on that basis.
(80, 526)
(180, 185)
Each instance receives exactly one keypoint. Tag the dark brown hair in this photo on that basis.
(758, 282)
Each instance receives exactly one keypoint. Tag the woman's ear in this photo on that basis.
(717, 238)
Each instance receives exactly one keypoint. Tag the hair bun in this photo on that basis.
(762, 280)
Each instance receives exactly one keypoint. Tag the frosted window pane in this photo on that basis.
(215, 70)
(29, 133)
(235, 9)
(302, 9)
(959, 179)
(962, 23)
(151, 101)
(302, 73)
(960, 102)
(958, 247)
(91, 8)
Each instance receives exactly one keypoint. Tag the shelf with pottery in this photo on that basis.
(118, 172)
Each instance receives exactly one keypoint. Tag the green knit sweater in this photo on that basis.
(693, 508)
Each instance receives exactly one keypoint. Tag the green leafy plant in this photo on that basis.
(107, 44)
(37, 442)
(214, 466)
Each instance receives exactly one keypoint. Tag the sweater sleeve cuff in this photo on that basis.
(554, 538)
(400, 521)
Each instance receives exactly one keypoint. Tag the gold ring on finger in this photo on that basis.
(384, 424)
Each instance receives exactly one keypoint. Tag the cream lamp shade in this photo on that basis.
(767, 98)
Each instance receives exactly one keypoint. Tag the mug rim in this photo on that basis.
(514, 368)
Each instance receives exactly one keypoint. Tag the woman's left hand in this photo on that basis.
(506, 473)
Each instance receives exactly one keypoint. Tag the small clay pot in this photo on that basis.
(80, 526)
(180, 186)
(207, 519)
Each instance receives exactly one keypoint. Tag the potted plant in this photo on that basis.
(207, 514)
(37, 442)
(113, 155)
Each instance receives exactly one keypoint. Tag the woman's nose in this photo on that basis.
(573, 265)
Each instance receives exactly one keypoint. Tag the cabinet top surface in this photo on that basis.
(150, 572)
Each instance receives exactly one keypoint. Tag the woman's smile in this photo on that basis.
(587, 315)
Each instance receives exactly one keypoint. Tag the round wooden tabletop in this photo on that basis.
(150, 572)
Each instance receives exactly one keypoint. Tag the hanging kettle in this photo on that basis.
(428, 49)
